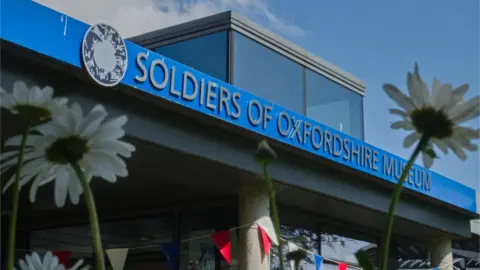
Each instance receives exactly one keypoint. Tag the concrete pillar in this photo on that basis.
(253, 204)
(441, 253)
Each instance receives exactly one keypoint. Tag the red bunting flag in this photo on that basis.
(222, 241)
(342, 266)
(265, 241)
(63, 256)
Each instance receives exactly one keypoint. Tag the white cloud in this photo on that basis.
(140, 16)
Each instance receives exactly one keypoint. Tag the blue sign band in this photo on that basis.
(56, 35)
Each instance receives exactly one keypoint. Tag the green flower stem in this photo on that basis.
(297, 264)
(273, 203)
(15, 197)
(393, 203)
(92, 211)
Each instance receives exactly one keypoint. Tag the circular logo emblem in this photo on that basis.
(104, 54)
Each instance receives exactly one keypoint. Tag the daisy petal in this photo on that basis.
(35, 184)
(46, 94)
(113, 146)
(105, 160)
(413, 90)
(441, 145)
(443, 97)
(464, 142)
(74, 187)
(13, 162)
(427, 160)
(411, 139)
(465, 111)
(469, 133)
(53, 128)
(20, 92)
(402, 125)
(23, 178)
(107, 134)
(456, 149)
(6, 155)
(399, 112)
(16, 140)
(30, 262)
(459, 93)
(99, 107)
(23, 265)
(91, 122)
(75, 117)
(422, 90)
(435, 91)
(54, 262)
(32, 167)
(77, 264)
(33, 95)
(7, 100)
(116, 122)
(46, 260)
(397, 96)
(61, 187)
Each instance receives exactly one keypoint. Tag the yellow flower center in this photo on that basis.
(432, 123)
(67, 150)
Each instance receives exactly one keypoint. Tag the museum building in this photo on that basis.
(199, 97)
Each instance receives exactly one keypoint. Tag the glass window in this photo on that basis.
(302, 237)
(342, 248)
(265, 73)
(198, 252)
(466, 252)
(207, 53)
(405, 255)
(333, 105)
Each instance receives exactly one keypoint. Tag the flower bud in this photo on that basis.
(297, 255)
(264, 153)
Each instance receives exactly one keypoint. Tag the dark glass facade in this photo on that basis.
(266, 73)
(207, 53)
(334, 105)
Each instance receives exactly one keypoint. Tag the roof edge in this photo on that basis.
(295, 51)
(233, 20)
(182, 29)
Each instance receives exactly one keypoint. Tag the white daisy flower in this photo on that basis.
(435, 116)
(49, 262)
(34, 102)
(72, 139)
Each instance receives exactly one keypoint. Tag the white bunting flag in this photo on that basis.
(266, 223)
(117, 257)
(292, 247)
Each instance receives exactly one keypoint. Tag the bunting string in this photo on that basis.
(324, 258)
(350, 266)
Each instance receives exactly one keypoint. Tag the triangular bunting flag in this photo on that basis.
(172, 251)
(265, 241)
(63, 256)
(342, 266)
(222, 241)
(117, 257)
(266, 223)
(318, 261)
(292, 247)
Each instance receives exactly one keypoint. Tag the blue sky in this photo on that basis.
(379, 41)
(376, 40)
